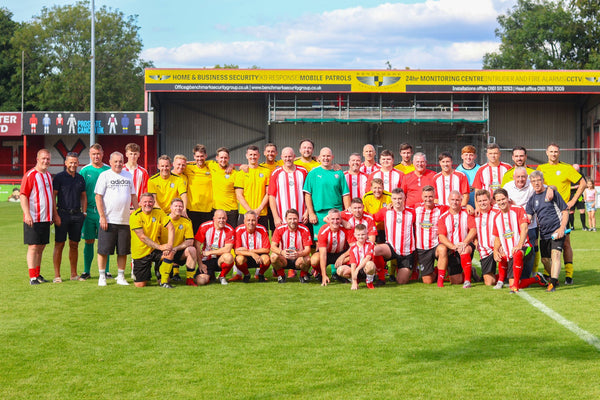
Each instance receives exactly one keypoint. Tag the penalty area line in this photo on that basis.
(581, 333)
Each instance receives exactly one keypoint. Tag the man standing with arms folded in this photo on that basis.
(415, 181)
(37, 205)
(91, 224)
(223, 186)
(114, 195)
(552, 217)
(562, 176)
(147, 223)
(69, 192)
(449, 180)
(251, 188)
(285, 188)
(252, 247)
(325, 189)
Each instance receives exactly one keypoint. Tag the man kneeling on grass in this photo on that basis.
(511, 243)
(183, 241)
(214, 241)
(147, 223)
(361, 259)
(252, 247)
(290, 247)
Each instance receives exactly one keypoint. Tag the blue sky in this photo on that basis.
(420, 34)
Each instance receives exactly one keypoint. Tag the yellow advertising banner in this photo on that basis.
(373, 81)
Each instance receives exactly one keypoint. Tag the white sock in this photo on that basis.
(102, 273)
(370, 278)
(121, 273)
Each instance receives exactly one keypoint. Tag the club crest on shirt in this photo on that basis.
(153, 219)
(180, 227)
(261, 175)
(172, 185)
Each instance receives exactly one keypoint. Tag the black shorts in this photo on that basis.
(426, 261)
(402, 261)
(361, 275)
(454, 264)
(488, 265)
(380, 237)
(198, 218)
(547, 245)
(142, 267)
(39, 233)
(332, 257)
(251, 263)
(117, 236)
(212, 266)
(70, 224)
(179, 258)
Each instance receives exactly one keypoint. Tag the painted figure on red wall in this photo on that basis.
(59, 123)
(33, 121)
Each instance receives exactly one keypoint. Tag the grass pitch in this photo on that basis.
(75, 340)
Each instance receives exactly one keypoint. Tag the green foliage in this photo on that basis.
(57, 59)
(227, 66)
(74, 340)
(9, 92)
(537, 34)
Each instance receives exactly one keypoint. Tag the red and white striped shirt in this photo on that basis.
(37, 186)
(399, 229)
(485, 232)
(357, 184)
(252, 241)
(367, 220)
(358, 252)
(456, 226)
(507, 228)
(140, 179)
(286, 187)
(426, 228)
(391, 179)
(335, 242)
(369, 170)
(213, 238)
(445, 184)
(287, 239)
(490, 178)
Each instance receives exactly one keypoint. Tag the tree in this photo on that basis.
(537, 34)
(57, 59)
(9, 93)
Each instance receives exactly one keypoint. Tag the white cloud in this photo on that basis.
(432, 34)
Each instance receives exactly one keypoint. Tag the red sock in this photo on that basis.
(527, 282)
(263, 269)
(465, 262)
(502, 270)
(244, 269)
(303, 274)
(32, 273)
(415, 274)
(37, 271)
(280, 272)
(441, 274)
(517, 267)
(225, 268)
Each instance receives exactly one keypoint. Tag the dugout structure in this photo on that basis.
(344, 109)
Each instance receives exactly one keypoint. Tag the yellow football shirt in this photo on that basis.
(508, 176)
(183, 231)
(310, 165)
(561, 175)
(272, 167)
(151, 224)
(406, 169)
(199, 190)
(166, 190)
(223, 188)
(254, 183)
(373, 204)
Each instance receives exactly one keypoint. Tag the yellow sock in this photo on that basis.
(392, 267)
(175, 270)
(189, 273)
(569, 270)
(165, 270)
(536, 261)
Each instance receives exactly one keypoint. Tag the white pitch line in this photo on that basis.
(581, 333)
